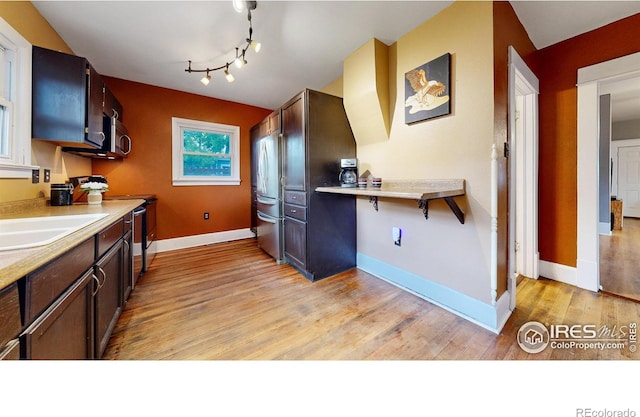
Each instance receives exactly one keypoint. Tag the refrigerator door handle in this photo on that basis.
(270, 201)
(266, 219)
(263, 168)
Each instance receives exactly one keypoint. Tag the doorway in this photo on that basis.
(592, 82)
(619, 263)
(523, 172)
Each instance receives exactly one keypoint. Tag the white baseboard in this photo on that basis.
(558, 272)
(185, 242)
(604, 228)
(474, 310)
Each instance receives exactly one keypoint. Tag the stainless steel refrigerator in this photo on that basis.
(269, 196)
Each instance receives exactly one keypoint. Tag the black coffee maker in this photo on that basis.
(348, 172)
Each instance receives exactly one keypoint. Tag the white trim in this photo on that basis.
(590, 80)
(559, 272)
(186, 242)
(523, 86)
(18, 163)
(177, 171)
(494, 224)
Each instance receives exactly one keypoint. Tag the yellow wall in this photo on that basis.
(439, 249)
(26, 19)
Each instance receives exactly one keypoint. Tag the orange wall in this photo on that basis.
(507, 30)
(147, 114)
(558, 69)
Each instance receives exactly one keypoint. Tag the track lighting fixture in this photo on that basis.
(239, 59)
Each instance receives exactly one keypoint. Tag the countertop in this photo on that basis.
(14, 264)
(409, 189)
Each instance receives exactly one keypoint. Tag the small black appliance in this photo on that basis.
(348, 172)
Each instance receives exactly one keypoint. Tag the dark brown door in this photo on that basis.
(294, 164)
(95, 100)
(295, 242)
(107, 298)
(64, 330)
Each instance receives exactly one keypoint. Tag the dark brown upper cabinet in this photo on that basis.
(67, 100)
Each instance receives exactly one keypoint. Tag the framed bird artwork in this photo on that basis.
(427, 90)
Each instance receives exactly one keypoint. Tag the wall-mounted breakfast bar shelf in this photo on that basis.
(421, 190)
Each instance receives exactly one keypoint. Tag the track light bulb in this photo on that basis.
(229, 76)
(206, 79)
(255, 45)
(239, 5)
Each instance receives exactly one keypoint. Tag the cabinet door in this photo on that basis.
(294, 166)
(95, 103)
(107, 298)
(59, 91)
(295, 242)
(64, 330)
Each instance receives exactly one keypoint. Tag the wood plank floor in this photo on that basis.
(231, 301)
(619, 260)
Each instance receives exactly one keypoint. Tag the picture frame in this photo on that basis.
(428, 90)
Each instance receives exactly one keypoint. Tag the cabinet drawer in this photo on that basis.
(46, 284)
(109, 236)
(296, 197)
(297, 212)
(10, 324)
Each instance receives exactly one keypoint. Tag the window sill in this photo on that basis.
(191, 182)
(16, 171)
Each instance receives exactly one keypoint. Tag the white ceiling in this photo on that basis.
(304, 43)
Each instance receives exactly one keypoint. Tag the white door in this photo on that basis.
(629, 180)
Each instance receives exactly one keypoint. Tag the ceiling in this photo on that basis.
(304, 43)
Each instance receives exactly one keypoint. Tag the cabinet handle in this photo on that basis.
(294, 210)
(104, 276)
(102, 136)
(93, 294)
(126, 242)
(128, 144)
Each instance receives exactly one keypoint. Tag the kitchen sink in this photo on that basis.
(37, 231)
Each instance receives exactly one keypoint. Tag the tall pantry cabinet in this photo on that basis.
(319, 228)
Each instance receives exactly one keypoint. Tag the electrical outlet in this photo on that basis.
(206, 215)
(35, 176)
(397, 236)
(47, 175)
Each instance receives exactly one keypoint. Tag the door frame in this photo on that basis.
(591, 81)
(615, 147)
(523, 168)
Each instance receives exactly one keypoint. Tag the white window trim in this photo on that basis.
(18, 164)
(178, 178)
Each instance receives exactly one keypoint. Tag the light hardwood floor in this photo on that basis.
(620, 260)
(231, 301)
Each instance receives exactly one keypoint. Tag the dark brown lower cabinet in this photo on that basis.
(295, 242)
(107, 299)
(65, 329)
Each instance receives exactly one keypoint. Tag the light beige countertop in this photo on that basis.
(408, 189)
(14, 264)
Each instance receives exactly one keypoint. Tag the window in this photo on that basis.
(15, 104)
(205, 153)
